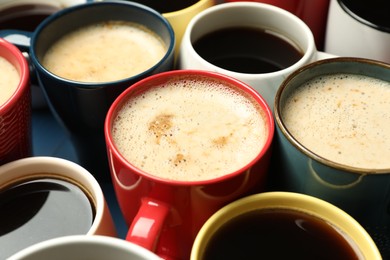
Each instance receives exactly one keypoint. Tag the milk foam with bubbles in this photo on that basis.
(188, 130)
(105, 52)
(344, 118)
(9, 80)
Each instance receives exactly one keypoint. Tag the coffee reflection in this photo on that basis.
(279, 233)
(257, 50)
(39, 209)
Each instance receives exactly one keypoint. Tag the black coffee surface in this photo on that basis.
(278, 234)
(40, 209)
(167, 6)
(375, 13)
(25, 16)
(247, 50)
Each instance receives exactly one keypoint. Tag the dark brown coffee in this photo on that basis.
(25, 16)
(372, 13)
(167, 6)
(279, 234)
(40, 209)
(247, 50)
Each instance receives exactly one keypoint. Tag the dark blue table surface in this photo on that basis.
(50, 139)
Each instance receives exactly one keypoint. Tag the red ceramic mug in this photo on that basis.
(15, 104)
(179, 125)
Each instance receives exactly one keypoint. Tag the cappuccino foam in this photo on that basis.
(344, 118)
(190, 130)
(105, 52)
(9, 80)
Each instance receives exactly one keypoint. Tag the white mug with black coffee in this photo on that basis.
(46, 197)
(359, 28)
(257, 43)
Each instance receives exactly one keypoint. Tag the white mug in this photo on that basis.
(249, 14)
(352, 31)
(85, 247)
(31, 227)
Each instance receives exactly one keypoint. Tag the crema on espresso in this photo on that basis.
(105, 52)
(9, 80)
(190, 129)
(344, 118)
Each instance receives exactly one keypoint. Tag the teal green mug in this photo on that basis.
(333, 139)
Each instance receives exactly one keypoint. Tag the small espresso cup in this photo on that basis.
(282, 225)
(359, 28)
(181, 145)
(118, 43)
(85, 247)
(332, 125)
(257, 43)
(15, 104)
(48, 197)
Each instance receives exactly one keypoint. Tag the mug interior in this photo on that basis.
(290, 201)
(372, 14)
(155, 80)
(36, 167)
(258, 15)
(62, 176)
(340, 65)
(63, 22)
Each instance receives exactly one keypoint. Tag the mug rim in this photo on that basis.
(284, 200)
(293, 141)
(75, 8)
(220, 8)
(23, 71)
(361, 20)
(266, 110)
(96, 240)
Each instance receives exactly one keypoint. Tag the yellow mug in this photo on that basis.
(278, 225)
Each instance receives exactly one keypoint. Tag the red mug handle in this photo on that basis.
(148, 224)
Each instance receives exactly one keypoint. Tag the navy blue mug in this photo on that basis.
(27, 15)
(79, 106)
